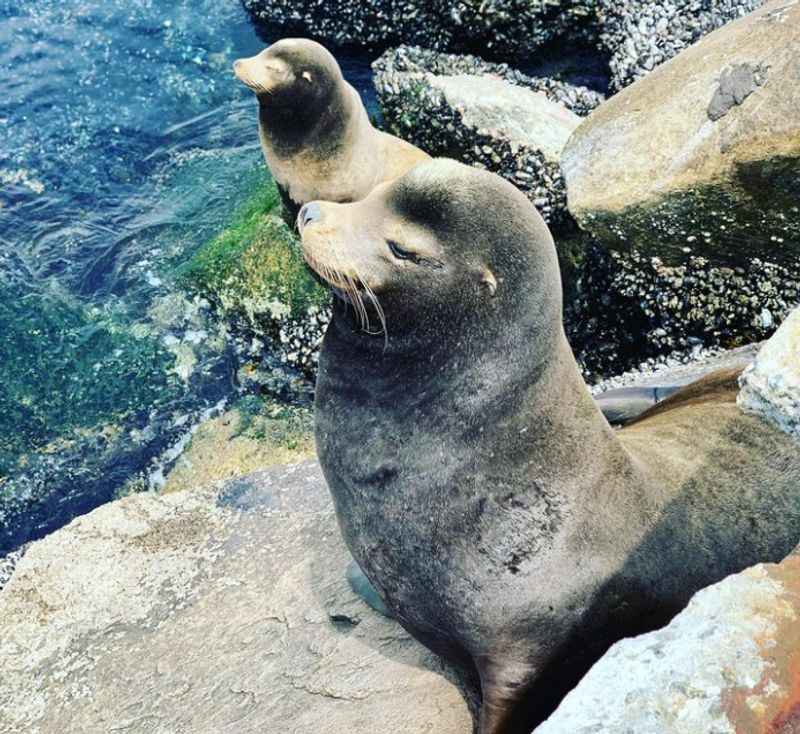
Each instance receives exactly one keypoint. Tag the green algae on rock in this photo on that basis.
(256, 433)
(254, 274)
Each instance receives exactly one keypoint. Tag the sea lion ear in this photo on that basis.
(488, 281)
(307, 76)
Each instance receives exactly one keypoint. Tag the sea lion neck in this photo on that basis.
(292, 127)
(531, 394)
(439, 341)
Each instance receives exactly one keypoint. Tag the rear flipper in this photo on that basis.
(623, 404)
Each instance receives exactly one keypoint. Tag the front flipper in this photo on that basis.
(361, 585)
(290, 208)
(507, 703)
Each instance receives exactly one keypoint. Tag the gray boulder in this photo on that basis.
(702, 155)
(641, 34)
(401, 67)
(726, 664)
(507, 123)
(771, 384)
(224, 609)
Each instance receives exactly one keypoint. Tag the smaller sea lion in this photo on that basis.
(316, 135)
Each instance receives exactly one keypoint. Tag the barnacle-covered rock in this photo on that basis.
(487, 115)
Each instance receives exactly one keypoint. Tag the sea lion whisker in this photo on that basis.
(352, 289)
(349, 279)
(355, 294)
(377, 306)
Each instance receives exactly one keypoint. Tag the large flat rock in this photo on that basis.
(209, 611)
(703, 154)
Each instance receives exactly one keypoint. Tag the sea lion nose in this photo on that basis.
(310, 212)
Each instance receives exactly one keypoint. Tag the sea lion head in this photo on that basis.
(297, 83)
(444, 245)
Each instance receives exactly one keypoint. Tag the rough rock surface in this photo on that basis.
(218, 610)
(498, 28)
(703, 153)
(502, 121)
(728, 663)
(400, 67)
(771, 385)
(641, 34)
(629, 308)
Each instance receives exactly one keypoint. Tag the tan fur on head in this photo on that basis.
(262, 73)
(346, 264)
(270, 68)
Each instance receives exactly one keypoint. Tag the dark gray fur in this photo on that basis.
(290, 208)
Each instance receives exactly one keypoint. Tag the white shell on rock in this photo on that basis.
(770, 387)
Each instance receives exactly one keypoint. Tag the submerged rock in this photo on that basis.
(207, 611)
(484, 115)
(89, 400)
(771, 385)
(727, 663)
(498, 28)
(702, 155)
(642, 34)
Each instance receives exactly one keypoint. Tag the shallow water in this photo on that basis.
(126, 144)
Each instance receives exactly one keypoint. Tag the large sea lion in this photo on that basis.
(316, 135)
(476, 482)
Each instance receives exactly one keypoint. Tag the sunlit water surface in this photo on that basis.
(125, 143)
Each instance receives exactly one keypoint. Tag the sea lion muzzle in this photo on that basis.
(309, 213)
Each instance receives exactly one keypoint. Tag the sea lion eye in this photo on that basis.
(307, 76)
(400, 253)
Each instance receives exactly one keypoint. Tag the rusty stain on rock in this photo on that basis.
(772, 706)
